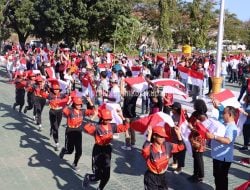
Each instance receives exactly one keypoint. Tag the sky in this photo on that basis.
(240, 7)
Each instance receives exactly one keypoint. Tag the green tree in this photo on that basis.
(232, 27)
(164, 31)
(103, 16)
(18, 16)
(201, 17)
(49, 25)
(75, 22)
(4, 31)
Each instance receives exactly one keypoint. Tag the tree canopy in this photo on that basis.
(123, 23)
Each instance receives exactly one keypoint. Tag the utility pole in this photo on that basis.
(217, 80)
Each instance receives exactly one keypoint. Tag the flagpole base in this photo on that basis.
(216, 84)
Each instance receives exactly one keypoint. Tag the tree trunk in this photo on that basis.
(22, 40)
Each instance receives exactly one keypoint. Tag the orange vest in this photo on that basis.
(103, 136)
(158, 161)
(75, 120)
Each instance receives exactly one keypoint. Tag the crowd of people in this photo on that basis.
(71, 81)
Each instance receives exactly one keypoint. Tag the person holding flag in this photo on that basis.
(198, 143)
(180, 153)
(157, 152)
(222, 149)
(101, 156)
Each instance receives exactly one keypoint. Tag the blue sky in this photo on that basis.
(240, 7)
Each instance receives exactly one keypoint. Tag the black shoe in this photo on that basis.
(14, 106)
(61, 153)
(244, 148)
(25, 110)
(85, 182)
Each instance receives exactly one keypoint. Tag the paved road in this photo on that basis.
(28, 160)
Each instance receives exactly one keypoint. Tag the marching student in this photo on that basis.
(30, 92)
(157, 152)
(20, 91)
(56, 100)
(40, 93)
(73, 132)
(101, 155)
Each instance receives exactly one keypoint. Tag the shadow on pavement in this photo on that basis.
(44, 157)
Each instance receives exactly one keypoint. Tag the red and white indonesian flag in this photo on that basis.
(171, 86)
(215, 127)
(157, 119)
(50, 72)
(183, 71)
(113, 107)
(192, 77)
(227, 98)
(110, 58)
(185, 131)
(63, 85)
(104, 66)
(137, 83)
(136, 70)
(87, 89)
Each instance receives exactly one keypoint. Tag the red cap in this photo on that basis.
(77, 100)
(39, 79)
(55, 87)
(159, 131)
(106, 114)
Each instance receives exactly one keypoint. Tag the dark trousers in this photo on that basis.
(155, 181)
(220, 172)
(198, 164)
(242, 91)
(246, 134)
(39, 104)
(144, 107)
(55, 118)
(101, 160)
(179, 158)
(20, 96)
(30, 101)
(167, 109)
(73, 140)
(210, 83)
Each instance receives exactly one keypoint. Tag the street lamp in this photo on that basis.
(217, 80)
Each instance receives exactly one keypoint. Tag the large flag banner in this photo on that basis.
(136, 70)
(192, 77)
(157, 119)
(227, 98)
(171, 86)
(137, 83)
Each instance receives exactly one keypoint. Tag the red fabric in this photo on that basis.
(201, 129)
(244, 186)
(160, 58)
(134, 80)
(50, 72)
(224, 95)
